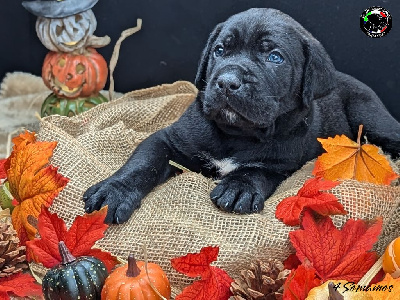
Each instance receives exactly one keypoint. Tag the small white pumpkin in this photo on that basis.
(66, 34)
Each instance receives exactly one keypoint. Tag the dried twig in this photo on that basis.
(115, 55)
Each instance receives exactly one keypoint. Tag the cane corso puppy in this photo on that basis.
(267, 91)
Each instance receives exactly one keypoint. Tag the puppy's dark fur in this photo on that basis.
(256, 119)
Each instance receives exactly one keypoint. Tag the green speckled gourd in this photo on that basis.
(69, 107)
(75, 278)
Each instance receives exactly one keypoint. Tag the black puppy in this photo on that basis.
(267, 91)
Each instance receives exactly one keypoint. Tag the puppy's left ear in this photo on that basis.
(318, 72)
(201, 75)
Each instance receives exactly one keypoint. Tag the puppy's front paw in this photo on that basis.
(121, 201)
(235, 195)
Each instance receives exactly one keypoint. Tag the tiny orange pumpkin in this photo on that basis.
(71, 75)
(391, 259)
(131, 282)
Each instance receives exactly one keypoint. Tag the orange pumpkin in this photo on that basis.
(391, 259)
(130, 282)
(71, 75)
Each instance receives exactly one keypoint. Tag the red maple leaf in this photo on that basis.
(214, 282)
(3, 173)
(299, 282)
(195, 264)
(336, 254)
(292, 262)
(20, 284)
(79, 239)
(311, 196)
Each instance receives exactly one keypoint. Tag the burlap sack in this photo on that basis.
(178, 216)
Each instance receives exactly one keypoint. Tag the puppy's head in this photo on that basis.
(261, 68)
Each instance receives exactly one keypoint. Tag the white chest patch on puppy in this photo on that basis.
(225, 166)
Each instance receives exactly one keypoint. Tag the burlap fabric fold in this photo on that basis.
(178, 216)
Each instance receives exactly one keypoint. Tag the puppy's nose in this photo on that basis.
(228, 82)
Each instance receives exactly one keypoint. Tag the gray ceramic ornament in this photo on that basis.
(70, 33)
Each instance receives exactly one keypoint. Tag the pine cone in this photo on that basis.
(262, 281)
(12, 257)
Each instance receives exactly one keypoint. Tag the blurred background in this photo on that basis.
(174, 32)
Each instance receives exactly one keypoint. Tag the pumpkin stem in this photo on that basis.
(133, 269)
(360, 128)
(66, 256)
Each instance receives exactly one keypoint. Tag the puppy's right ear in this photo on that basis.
(201, 75)
(318, 75)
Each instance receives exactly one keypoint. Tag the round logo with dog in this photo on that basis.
(376, 21)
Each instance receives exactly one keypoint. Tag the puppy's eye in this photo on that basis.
(219, 51)
(275, 57)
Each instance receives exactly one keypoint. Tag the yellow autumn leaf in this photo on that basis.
(346, 159)
(33, 182)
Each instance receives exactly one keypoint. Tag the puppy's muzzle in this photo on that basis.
(228, 83)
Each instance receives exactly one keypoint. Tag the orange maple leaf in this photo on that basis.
(33, 182)
(346, 159)
(30, 137)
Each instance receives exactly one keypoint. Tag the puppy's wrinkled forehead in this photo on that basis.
(257, 24)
